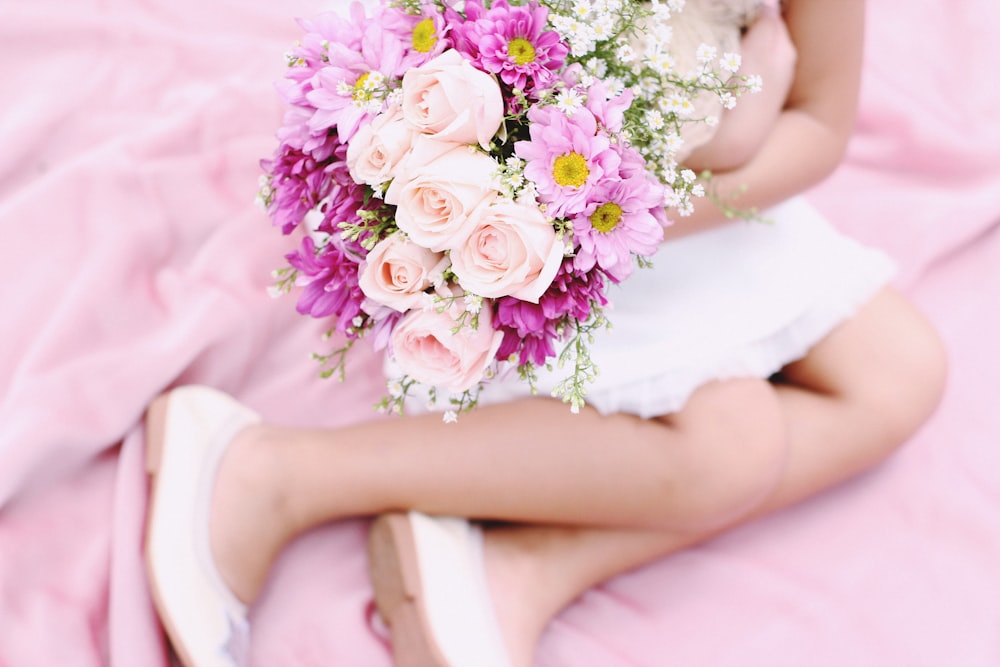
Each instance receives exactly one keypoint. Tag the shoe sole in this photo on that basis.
(395, 576)
(156, 420)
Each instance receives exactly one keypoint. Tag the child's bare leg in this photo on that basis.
(536, 571)
(529, 461)
(857, 396)
(860, 394)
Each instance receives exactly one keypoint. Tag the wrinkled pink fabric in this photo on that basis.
(134, 259)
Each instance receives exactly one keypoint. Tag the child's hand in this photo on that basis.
(768, 51)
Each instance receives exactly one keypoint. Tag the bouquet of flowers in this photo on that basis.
(470, 177)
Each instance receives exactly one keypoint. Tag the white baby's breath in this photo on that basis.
(395, 388)
(597, 67)
(625, 53)
(602, 28)
(581, 9)
(673, 142)
(662, 62)
(680, 104)
(394, 97)
(528, 194)
(473, 303)
(264, 192)
(654, 119)
(731, 62)
(706, 53)
(569, 100)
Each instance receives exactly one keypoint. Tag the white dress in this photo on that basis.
(741, 300)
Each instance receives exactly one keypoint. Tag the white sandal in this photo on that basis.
(430, 589)
(187, 432)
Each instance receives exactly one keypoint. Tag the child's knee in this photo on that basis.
(738, 448)
(917, 384)
(902, 390)
(887, 370)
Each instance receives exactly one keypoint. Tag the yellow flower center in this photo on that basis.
(606, 217)
(571, 170)
(521, 51)
(362, 94)
(424, 36)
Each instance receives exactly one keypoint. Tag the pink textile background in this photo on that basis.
(133, 258)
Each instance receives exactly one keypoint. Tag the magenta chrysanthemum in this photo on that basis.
(295, 133)
(344, 197)
(298, 183)
(531, 329)
(573, 293)
(512, 42)
(330, 279)
(527, 334)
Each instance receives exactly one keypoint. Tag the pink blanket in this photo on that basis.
(131, 134)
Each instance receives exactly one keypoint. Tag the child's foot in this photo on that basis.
(517, 592)
(249, 522)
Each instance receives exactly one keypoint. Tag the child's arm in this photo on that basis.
(767, 51)
(809, 137)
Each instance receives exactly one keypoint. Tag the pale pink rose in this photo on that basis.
(436, 189)
(424, 347)
(377, 148)
(452, 100)
(397, 272)
(511, 251)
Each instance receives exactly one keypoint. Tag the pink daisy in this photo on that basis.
(329, 28)
(512, 42)
(423, 35)
(295, 133)
(339, 93)
(607, 108)
(309, 55)
(565, 158)
(619, 222)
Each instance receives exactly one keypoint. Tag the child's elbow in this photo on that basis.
(832, 149)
